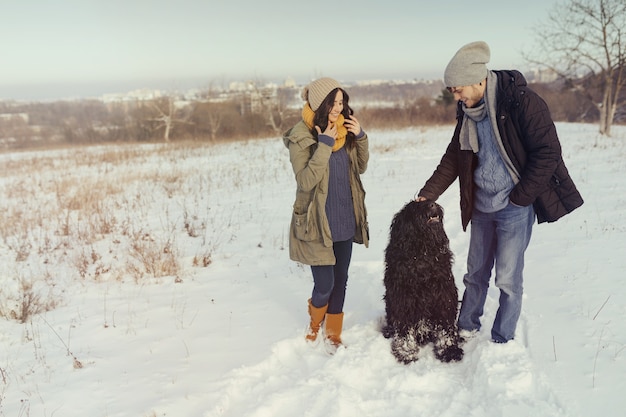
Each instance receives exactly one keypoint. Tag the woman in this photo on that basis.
(328, 151)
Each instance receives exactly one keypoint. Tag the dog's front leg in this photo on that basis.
(405, 348)
(446, 346)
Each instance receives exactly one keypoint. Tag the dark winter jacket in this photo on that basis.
(531, 142)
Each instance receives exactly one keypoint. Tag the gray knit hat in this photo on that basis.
(317, 91)
(467, 66)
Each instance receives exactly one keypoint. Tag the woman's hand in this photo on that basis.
(352, 124)
(331, 130)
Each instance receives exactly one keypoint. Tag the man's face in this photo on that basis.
(469, 94)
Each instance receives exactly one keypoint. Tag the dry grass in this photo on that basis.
(28, 297)
(106, 213)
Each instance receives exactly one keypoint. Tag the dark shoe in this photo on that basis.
(466, 335)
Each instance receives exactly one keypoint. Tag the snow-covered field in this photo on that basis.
(155, 281)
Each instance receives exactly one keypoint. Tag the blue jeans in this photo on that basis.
(499, 238)
(330, 281)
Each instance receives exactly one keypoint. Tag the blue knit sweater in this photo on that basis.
(339, 204)
(493, 181)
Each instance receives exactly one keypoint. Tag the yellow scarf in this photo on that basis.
(308, 114)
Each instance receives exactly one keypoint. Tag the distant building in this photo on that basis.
(14, 117)
(254, 98)
(539, 75)
(135, 95)
(290, 83)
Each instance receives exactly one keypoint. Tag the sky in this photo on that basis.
(227, 339)
(83, 47)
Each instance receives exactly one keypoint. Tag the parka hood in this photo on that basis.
(299, 134)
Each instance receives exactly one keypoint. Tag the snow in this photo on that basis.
(114, 241)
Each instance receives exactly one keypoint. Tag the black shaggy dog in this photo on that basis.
(421, 298)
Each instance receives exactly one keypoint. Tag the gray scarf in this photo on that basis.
(469, 134)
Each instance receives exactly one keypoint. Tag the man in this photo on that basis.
(507, 156)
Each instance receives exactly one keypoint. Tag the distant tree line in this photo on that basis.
(171, 118)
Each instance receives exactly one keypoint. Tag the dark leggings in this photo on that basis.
(330, 281)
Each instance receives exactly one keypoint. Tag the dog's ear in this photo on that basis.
(415, 212)
(419, 212)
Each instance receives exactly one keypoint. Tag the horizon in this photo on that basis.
(60, 91)
(52, 91)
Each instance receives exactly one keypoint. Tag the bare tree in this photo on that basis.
(215, 121)
(215, 113)
(166, 117)
(270, 102)
(587, 38)
(208, 118)
(276, 109)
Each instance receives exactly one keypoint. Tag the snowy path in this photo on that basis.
(365, 380)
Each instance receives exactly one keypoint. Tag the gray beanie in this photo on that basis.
(467, 66)
(317, 91)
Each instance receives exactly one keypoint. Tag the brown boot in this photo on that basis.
(317, 316)
(334, 323)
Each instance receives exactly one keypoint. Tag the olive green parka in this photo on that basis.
(310, 240)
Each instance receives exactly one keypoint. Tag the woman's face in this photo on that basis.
(337, 108)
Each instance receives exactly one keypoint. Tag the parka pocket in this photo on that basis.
(303, 229)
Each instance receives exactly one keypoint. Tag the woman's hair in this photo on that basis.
(321, 114)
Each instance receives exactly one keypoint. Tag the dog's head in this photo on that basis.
(419, 220)
(425, 213)
(433, 211)
(417, 231)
